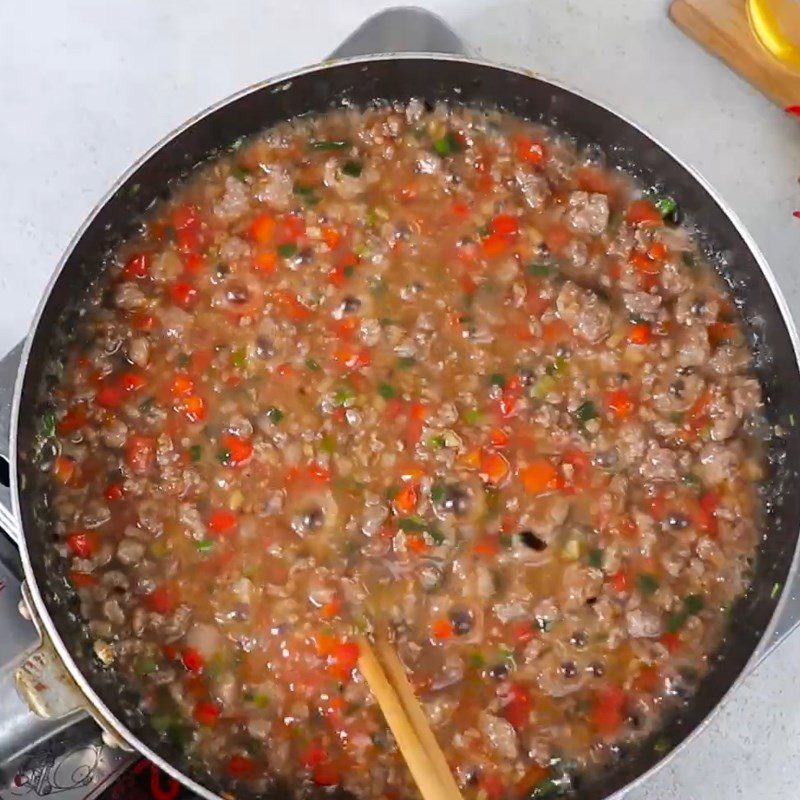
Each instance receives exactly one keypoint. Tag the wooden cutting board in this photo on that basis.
(722, 27)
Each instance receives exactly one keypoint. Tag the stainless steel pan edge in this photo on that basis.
(782, 617)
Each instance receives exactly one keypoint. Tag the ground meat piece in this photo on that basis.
(130, 551)
(275, 188)
(114, 433)
(729, 359)
(693, 347)
(695, 309)
(499, 735)
(234, 202)
(724, 420)
(643, 623)
(631, 443)
(584, 312)
(578, 584)
(746, 396)
(129, 297)
(674, 279)
(576, 253)
(659, 464)
(677, 393)
(718, 463)
(139, 351)
(534, 187)
(587, 213)
(642, 304)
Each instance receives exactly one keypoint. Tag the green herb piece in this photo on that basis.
(328, 144)
(412, 523)
(437, 492)
(558, 367)
(313, 365)
(275, 414)
(471, 416)
(436, 535)
(404, 362)
(47, 424)
(308, 193)
(497, 379)
(240, 173)
(586, 411)
(344, 394)
(689, 260)
(662, 746)
(205, 545)
(668, 208)
(287, 250)
(693, 604)
(538, 270)
(195, 452)
(545, 789)
(391, 492)
(447, 144)
(476, 660)
(371, 217)
(676, 621)
(239, 358)
(328, 444)
(776, 590)
(436, 442)
(348, 271)
(145, 666)
(223, 456)
(646, 583)
(689, 479)
(386, 391)
(352, 168)
(260, 701)
(595, 557)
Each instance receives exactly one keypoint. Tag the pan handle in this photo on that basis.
(9, 365)
(403, 29)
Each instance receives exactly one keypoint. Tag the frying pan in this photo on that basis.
(756, 617)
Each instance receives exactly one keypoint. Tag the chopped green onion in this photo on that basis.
(471, 416)
(204, 545)
(545, 789)
(689, 260)
(352, 168)
(476, 660)
(662, 746)
(437, 492)
(436, 442)
(435, 534)
(223, 456)
(776, 590)
(538, 270)
(240, 173)
(391, 491)
(48, 423)
(145, 666)
(497, 379)
(676, 621)
(668, 208)
(348, 271)
(386, 391)
(287, 250)
(328, 444)
(447, 144)
(595, 557)
(371, 217)
(689, 479)
(544, 386)
(646, 583)
(404, 362)
(195, 452)
(586, 411)
(413, 523)
(239, 358)
(306, 192)
(313, 365)
(693, 604)
(328, 144)
(343, 396)
(275, 414)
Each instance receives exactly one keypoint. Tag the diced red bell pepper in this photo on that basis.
(529, 150)
(192, 659)
(607, 710)
(83, 544)
(222, 521)
(161, 600)
(239, 450)
(643, 212)
(241, 766)
(114, 492)
(518, 707)
(206, 713)
(137, 267)
(620, 403)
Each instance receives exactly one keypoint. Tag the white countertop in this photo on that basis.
(88, 85)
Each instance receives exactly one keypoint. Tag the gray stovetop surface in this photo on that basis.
(88, 85)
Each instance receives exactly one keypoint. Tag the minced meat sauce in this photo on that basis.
(436, 372)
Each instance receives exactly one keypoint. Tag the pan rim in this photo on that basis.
(280, 83)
